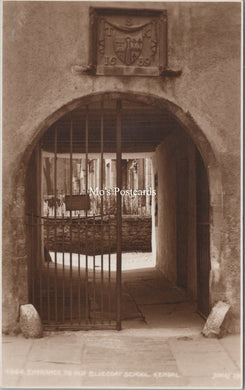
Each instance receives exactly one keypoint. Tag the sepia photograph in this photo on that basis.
(122, 194)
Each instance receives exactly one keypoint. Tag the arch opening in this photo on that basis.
(172, 225)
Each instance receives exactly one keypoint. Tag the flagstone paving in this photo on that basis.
(161, 347)
(110, 358)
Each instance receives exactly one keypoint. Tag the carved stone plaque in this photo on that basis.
(129, 42)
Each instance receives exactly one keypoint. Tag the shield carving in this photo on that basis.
(128, 48)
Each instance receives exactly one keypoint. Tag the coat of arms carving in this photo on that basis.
(129, 42)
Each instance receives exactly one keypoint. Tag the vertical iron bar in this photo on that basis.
(71, 173)
(79, 270)
(94, 275)
(32, 261)
(119, 215)
(109, 267)
(86, 219)
(48, 258)
(39, 220)
(40, 268)
(55, 223)
(63, 269)
(101, 206)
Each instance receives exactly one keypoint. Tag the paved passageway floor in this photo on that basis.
(160, 345)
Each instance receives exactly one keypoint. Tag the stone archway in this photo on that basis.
(187, 123)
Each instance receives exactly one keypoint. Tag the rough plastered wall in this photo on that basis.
(42, 41)
(164, 163)
(176, 149)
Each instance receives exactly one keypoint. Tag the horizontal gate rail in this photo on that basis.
(119, 214)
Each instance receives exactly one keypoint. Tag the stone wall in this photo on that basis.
(94, 237)
(175, 251)
(43, 41)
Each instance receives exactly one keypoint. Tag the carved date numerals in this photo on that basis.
(111, 61)
(144, 61)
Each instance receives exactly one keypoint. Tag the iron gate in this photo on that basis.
(74, 280)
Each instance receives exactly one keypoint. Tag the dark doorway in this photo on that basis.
(182, 221)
